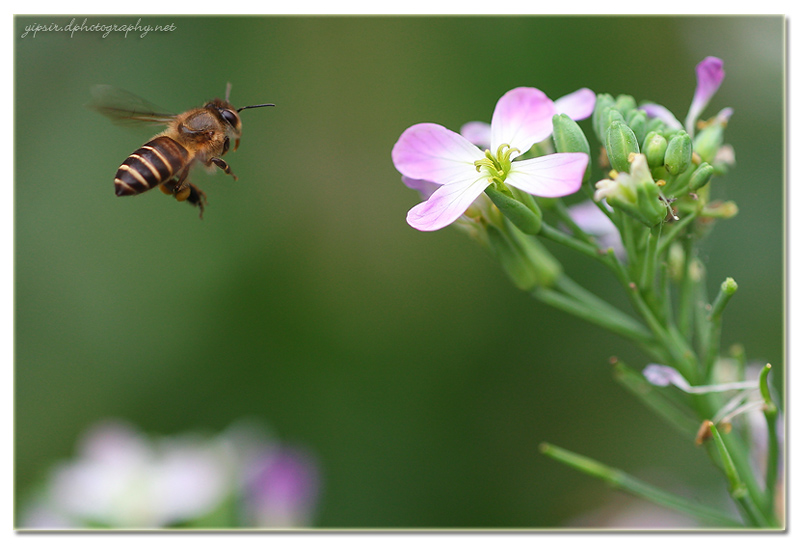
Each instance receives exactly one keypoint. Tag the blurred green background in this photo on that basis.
(416, 373)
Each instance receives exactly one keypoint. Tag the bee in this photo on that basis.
(201, 135)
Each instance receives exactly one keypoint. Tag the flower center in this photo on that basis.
(497, 165)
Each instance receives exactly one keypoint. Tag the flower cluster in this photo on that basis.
(503, 183)
(666, 160)
(123, 480)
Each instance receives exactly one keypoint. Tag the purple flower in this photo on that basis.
(709, 77)
(522, 117)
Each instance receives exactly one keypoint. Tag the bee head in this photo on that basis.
(230, 116)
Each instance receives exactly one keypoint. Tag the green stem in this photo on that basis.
(651, 254)
(619, 479)
(628, 235)
(681, 356)
(738, 489)
(687, 291)
(619, 324)
(773, 444)
(726, 291)
(564, 239)
(676, 229)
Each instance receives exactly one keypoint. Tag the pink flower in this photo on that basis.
(522, 117)
(578, 105)
(709, 77)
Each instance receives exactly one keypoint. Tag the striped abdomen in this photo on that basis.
(150, 165)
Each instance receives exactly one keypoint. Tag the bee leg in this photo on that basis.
(223, 165)
(195, 196)
(178, 185)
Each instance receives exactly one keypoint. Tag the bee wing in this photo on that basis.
(126, 108)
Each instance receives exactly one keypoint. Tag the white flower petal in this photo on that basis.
(447, 203)
(432, 152)
(555, 175)
(522, 117)
(578, 105)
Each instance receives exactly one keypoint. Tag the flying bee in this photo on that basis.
(200, 135)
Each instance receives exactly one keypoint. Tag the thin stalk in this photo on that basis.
(738, 489)
(651, 254)
(726, 291)
(578, 245)
(687, 291)
(679, 356)
(621, 324)
(676, 229)
(621, 480)
(569, 287)
(773, 444)
(628, 235)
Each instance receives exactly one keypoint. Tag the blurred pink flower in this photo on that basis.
(121, 479)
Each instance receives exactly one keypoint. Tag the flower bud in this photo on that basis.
(521, 215)
(610, 115)
(599, 125)
(569, 138)
(637, 119)
(654, 148)
(678, 156)
(625, 103)
(620, 143)
(701, 176)
(708, 141)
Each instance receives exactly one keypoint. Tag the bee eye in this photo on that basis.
(230, 116)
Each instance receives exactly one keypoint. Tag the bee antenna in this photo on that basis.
(256, 106)
(228, 92)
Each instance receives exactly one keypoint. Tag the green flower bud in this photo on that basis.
(599, 125)
(708, 141)
(637, 119)
(678, 156)
(620, 143)
(625, 103)
(610, 114)
(520, 214)
(635, 194)
(701, 176)
(654, 148)
(569, 138)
